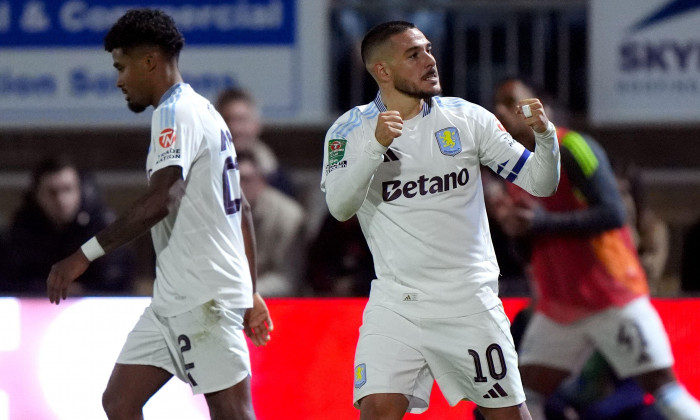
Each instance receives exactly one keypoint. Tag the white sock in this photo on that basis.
(535, 404)
(674, 402)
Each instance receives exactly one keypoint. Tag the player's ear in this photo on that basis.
(149, 59)
(381, 71)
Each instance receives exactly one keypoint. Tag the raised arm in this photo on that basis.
(541, 170)
(538, 172)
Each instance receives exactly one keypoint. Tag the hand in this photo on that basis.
(518, 222)
(63, 273)
(257, 323)
(516, 218)
(538, 121)
(389, 126)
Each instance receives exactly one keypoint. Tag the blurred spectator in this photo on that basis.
(60, 212)
(690, 263)
(242, 116)
(597, 393)
(339, 262)
(279, 231)
(650, 232)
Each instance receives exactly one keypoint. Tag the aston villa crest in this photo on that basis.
(448, 141)
(360, 375)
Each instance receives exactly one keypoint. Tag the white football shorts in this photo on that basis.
(631, 338)
(204, 347)
(470, 357)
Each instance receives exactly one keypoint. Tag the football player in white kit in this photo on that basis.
(204, 294)
(408, 165)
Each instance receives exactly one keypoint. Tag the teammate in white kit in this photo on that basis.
(408, 165)
(204, 294)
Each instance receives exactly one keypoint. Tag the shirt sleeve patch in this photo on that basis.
(360, 375)
(336, 153)
(167, 137)
(336, 150)
(169, 147)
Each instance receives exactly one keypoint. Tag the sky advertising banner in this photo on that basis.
(54, 70)
(644, 62)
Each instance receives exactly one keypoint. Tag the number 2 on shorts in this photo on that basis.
(185, 342)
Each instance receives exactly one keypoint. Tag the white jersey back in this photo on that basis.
(199, 248)
(424, 215)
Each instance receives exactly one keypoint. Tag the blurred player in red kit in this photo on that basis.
(590, 288)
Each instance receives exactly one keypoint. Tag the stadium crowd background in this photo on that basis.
(477, 44)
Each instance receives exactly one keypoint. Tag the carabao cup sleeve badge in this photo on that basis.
(448, 141)
(360, 375)
(336, 150)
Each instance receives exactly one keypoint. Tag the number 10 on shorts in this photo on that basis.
(493, 351)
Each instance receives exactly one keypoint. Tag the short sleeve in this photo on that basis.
(175, 138)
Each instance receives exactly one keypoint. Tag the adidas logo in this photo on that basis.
(496, 392)
(390, 156)
(410, 297)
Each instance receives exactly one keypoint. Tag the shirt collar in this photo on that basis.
(427, 104)
(168, 93)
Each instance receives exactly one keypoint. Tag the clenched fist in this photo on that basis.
(537, 119)
(389, 126)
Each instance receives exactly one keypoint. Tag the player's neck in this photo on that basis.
(168, 78)
(407, 106)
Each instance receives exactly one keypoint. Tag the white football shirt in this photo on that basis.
(199, 248)
(420, 202)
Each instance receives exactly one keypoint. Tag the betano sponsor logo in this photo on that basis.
(392, 190)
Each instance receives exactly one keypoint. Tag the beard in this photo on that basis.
(136, 107)
(413, 91)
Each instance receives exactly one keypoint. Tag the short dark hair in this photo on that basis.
(233, 94)
(381, 33)
(145, 27)
(50, 165)
(558, 111)
(537, 89)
